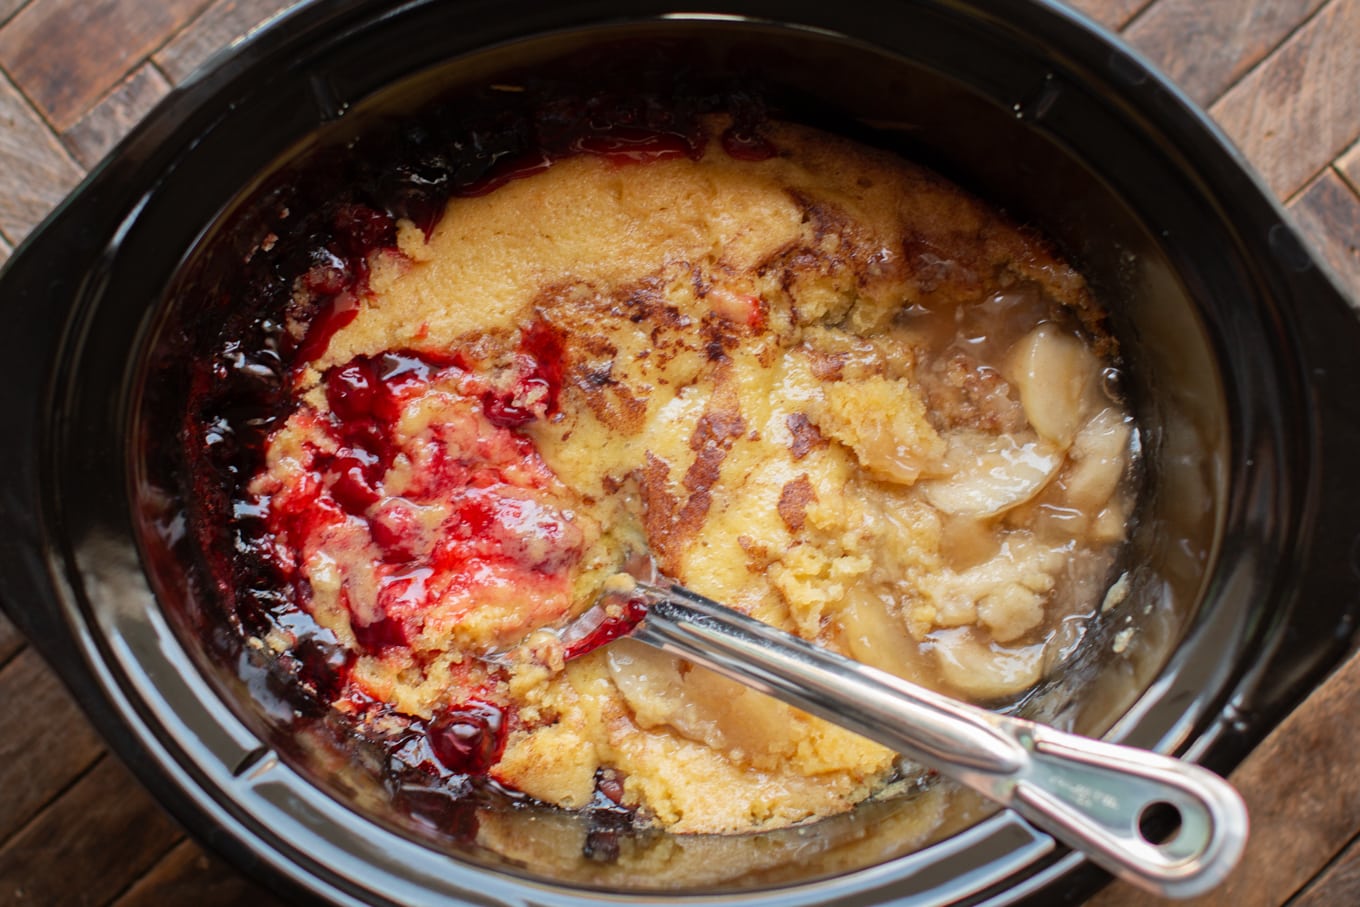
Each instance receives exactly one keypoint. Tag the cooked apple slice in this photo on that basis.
(701, 705)
(1055, 374)
(986, 671)
(1099, 458)
(877, 637)
(991, 473)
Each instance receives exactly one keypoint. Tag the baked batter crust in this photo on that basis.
(827, 388)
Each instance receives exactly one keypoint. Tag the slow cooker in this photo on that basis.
(1241, 364)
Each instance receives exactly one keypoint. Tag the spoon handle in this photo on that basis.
(1093, 796)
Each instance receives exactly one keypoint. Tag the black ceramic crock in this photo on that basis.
(1243, 363)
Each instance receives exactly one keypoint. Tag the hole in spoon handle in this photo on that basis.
(1167, 826)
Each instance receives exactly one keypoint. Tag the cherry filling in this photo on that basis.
(635, 145)
(746, 144)
(468, 738)
(611, 628)
(478, 516)
(440, 516)
(337, 278)
(540, 384)
(379, 634)
(412, 503)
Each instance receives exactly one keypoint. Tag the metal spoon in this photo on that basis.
(1091, 795)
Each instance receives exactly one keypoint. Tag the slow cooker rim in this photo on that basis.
(77, 621)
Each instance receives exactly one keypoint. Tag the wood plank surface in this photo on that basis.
(1229, 38)
(8, 8)
(1294, 113)
(1113, 14)
(47, 743)
(99, 130)
(1283, 78)
(67, 54)
(225, 21)
(1339, 885)
(187, 875)
(37, 171)
(1327, 213)
(108, 833)
(1348, 165)
(10, 640)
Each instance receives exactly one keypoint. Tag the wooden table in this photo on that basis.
(1281, 76)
